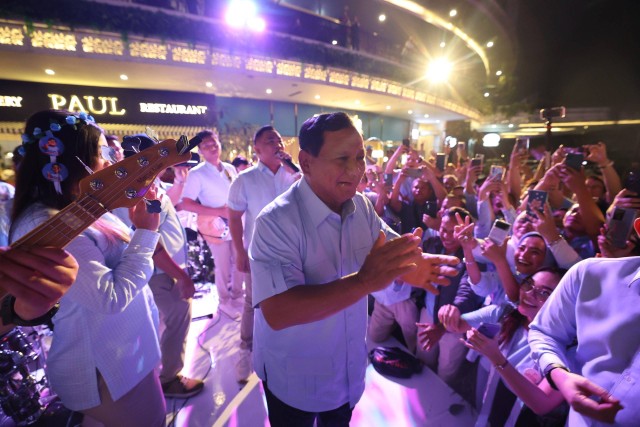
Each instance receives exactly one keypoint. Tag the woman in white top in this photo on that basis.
(105, 347)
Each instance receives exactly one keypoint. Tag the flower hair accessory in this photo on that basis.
(52, 146)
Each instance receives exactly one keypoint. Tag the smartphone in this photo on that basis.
(522, 145)
(632, 183)
(489, 330)
(535, 201)
(552, 113)
(441, 161)
(431, 208)
(499, 231)
(406, 142)
(388, 179)
(574, 160)
(620, 225)
(497, 171)
(194, 161)
(476, 162)
(414, 173)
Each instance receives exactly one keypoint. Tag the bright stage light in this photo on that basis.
(439, 70)
(244, 14)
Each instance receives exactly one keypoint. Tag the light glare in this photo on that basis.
(439, 70)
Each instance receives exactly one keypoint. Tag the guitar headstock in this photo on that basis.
(123, 184)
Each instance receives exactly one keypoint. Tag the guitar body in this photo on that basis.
(215, 229)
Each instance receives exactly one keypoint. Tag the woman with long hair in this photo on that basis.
(105, 347)
(509, 354)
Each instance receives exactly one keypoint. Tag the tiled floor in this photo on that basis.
(212, 351)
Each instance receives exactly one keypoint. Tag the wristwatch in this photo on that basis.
(547, 373)
(10, 317)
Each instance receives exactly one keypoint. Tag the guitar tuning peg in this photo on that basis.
(153, 206)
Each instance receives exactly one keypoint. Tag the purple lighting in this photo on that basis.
(244, 14)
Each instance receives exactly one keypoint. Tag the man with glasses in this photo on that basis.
(206, 192)
(597, 304)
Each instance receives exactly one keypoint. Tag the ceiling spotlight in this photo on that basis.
(499, 73)
(49, 71)
(426, 116)
(439, 70)
(442, 44)
(489, 44)
(491, 140)
(357, 102)
(410, 111)
(382, 17)
(334, 42)
(124, 77)
(317, 97)
(388, 107)
(453, 13)
(486, 94)
(510, 125)
(269, 91)
(208, 84)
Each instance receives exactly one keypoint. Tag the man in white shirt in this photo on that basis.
(250, 192)
(206, 192)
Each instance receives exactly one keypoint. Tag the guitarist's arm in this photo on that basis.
(37, 278)
(193, 206)
(237, 232)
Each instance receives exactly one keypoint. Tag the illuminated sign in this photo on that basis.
(108, 105)
(59, 102)
(10, 101)
(148, 107)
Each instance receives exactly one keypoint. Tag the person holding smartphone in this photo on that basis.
(512, 371)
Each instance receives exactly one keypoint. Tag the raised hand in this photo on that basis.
(389, 260)
(463, 232)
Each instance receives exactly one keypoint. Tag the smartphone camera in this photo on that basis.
(499, 231)
(431, 208)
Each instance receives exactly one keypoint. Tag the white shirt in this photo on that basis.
(106, 319)
(209, 185)
(254, 189)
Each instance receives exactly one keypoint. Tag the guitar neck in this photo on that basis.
(61, 229)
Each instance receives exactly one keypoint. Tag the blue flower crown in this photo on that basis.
(51, 146)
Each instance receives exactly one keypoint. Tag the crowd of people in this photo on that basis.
(530, 274)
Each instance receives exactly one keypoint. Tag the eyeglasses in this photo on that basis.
(540, 294)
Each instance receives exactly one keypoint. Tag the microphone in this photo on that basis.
(288, 161)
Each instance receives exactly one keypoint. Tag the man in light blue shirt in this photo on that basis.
(596, 303)
(317, 251)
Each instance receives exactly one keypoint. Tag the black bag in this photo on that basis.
(394, 362)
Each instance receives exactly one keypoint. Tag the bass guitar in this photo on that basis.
(122, 184)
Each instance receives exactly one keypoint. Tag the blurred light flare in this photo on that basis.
(439, 70)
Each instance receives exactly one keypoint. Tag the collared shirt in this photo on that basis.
(254, 189)
(598, 303)
(106, 320)
(298, 240)
(209, 185)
